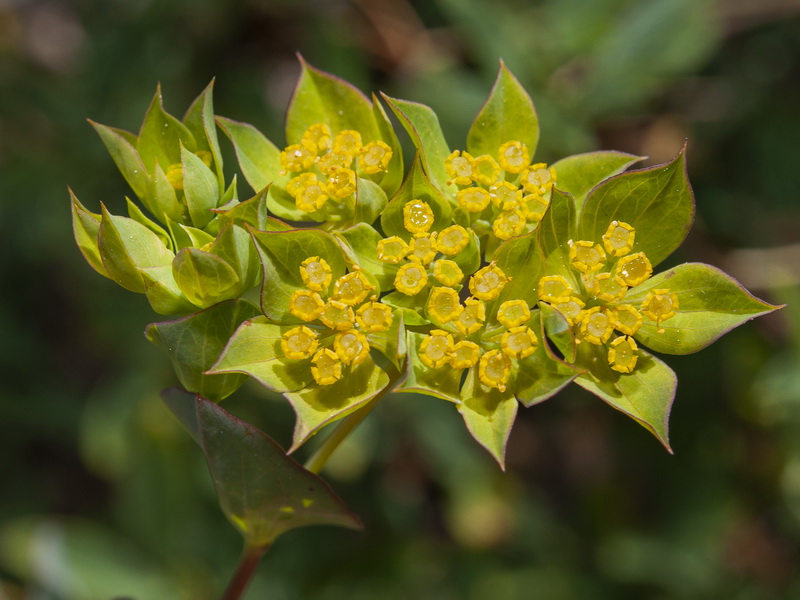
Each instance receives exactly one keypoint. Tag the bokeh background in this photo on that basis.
(103, 495)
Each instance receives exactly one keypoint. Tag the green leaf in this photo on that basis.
(127, 246)
(135, 213)
(658, 202)
(416, 186)
(199, 119)
(320, 97)
(423, 127)
(235, 246)
(200, 187)
(645, 395)
(521, 259)
(393, 177)
(127, 160)
(319, 405)
(251, 212)
(255, 350)
(163, 293)
(263, 492)
(281, 254)
(85, 227)
(204, 278)
(164, 199)
(508, 114)
(392, 342)
(558, 330)
(161, 136)
(541, 375)
(710, 303)
(361, 245)
(554, 232)
(488, 414)
(195, 342)
(443, 382)
(370, 201)
(259, 159)
(578, 174)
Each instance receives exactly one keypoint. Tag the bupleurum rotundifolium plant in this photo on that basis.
(478, 275)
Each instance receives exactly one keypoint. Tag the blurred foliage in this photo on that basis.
(102, 492)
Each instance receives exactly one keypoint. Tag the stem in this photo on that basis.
(244, 573)
(345, 427)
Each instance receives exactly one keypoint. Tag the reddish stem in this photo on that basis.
(244, 573)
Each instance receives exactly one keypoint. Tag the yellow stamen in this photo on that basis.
(309, 195)
(587, 257)
(316, 273)
(299, 342)
(447, 272)
(351, 347)
(326, 367)
(596, 327)
(472, 317)
(417, 216)
(443, 304)
(633, 269)
(473, 199)
(298, 157)
(436, 349)
(341, 183)
(337, 315)
(618, 238)
(538, 179)
(626, 319)
(519, 342)
(465, 355)
(347, 142)
(423, 248)
(318, 134)
(352, 288)
(205, 156)
(459, 167)
(494, 370)
(488, 282)
(175, 176)
(411, 279)
(571, 308)
(333, 161)
(513, 157)
(513, 313)
(534, 206)
(622, 354)
(505, 195)
(553, 287)
(306, 305)
(374, 317)
(374, 157)
(608, 288)
(392, 250)
(485, 171)
(508, 224)
(452, 240)
(660, 305)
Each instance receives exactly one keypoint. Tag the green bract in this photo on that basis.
(476, 275)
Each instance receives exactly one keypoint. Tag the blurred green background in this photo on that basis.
(103, 495)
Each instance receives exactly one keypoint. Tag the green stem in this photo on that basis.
(244, 573)
(345, 427)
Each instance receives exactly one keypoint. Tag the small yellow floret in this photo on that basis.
(306, 305)
(318, 134)
(351, 347)
(488, 282)
(443, 304)
(352, 288)
(332, 161)
(374, 317)
(452, 240)
(337, 315)
(299, 342)
(626, 319)
(473, 199)
(411, 279)
(509, 223)
(513, 157)
(447, 272)
(422, 248)
(571, 308)
(660, 305)
(494, 370)
(392, 250)
(596, 327)
(341, 183)
(608, 288)
(205, 156)
(587, 257)
(534, 206)
(553, 287)
(348, 142)
(326, 367)
(618, 238)
(436, 349)
(472, 316)
(465, 355)
(538, 179)
(513, 313)
(485, 171)
(460, 167)
(505, 195)
(417, 216)
(374, 157)
(175, 176)
(308, 192)
(298, 157)
(316, 273)
(622, 354)
(295, 184)
(633, 269)
(519, 342)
